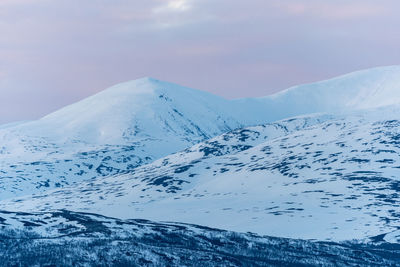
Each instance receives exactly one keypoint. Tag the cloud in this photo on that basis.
(176, 13)
(178, 5)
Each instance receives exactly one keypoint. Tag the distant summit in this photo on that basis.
(371, 88)
(143, 108)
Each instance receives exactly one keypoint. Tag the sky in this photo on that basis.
(56, 52)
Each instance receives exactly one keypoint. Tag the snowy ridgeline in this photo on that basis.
(64, 238)
(335, 177)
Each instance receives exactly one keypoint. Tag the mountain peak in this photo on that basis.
(369, 88)
(364, 89)
(141, 85)
(146, 80)
(147, 86)
(138, 109)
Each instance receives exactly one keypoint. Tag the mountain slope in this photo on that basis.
(335, 178)
(65, 238)
(109, 160)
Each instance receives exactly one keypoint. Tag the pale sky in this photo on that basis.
(55, 52)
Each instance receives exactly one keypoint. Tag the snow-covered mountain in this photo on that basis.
(111, 132)
(371, 88)
(137, 122)
(134, 123)
(332, 170)
(335, 178)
